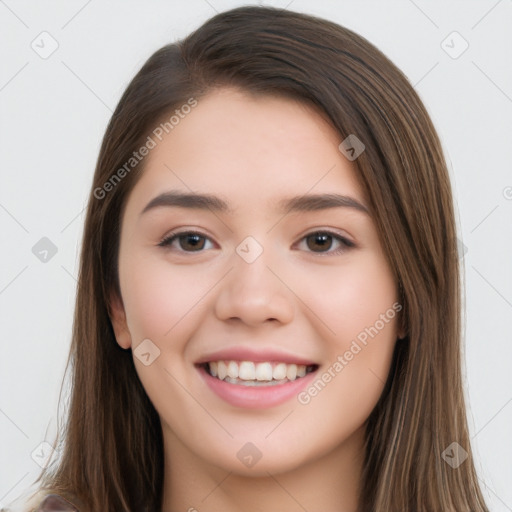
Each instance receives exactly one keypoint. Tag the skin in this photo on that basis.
(311, 302)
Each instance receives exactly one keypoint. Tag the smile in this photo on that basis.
(255, 385)
(249, 373)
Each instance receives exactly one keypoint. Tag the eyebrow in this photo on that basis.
(304, 203)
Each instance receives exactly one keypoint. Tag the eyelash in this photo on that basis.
(346, 244)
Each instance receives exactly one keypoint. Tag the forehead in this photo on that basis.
(251, 150)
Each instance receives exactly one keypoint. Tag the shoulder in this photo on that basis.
(41, 501)
(55, 503)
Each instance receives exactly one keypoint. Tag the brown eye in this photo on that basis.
(191, 242)
(319, 240)
(323, 241)
(188, 241)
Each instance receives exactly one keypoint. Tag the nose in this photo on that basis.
(254, 293)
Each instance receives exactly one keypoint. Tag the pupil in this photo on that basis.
(322, 239)
(193, 241)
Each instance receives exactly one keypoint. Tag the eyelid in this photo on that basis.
(164, 241)
(346, 242)
(336, 233)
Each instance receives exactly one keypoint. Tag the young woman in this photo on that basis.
(268, 307)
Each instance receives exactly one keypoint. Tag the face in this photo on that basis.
(291, 303)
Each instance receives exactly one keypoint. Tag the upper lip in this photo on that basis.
(252, 354)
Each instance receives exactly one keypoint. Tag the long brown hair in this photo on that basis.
(112, 448)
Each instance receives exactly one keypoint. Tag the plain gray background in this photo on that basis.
(54, 110)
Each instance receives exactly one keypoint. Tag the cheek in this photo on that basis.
(350, 383)
(163, 303)
(359, 318)
(349, 298)
(158, 296)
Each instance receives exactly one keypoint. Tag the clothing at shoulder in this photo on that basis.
(43, 502)
(55, 503)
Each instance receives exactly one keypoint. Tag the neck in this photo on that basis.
(329, 482)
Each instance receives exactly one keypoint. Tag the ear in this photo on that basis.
(118, 320)
(402, 330)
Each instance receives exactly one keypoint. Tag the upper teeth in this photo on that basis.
(247, 370)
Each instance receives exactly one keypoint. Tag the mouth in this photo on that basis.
(257, 373)
(255, 378)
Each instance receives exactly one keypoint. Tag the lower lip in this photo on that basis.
(256, 397)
